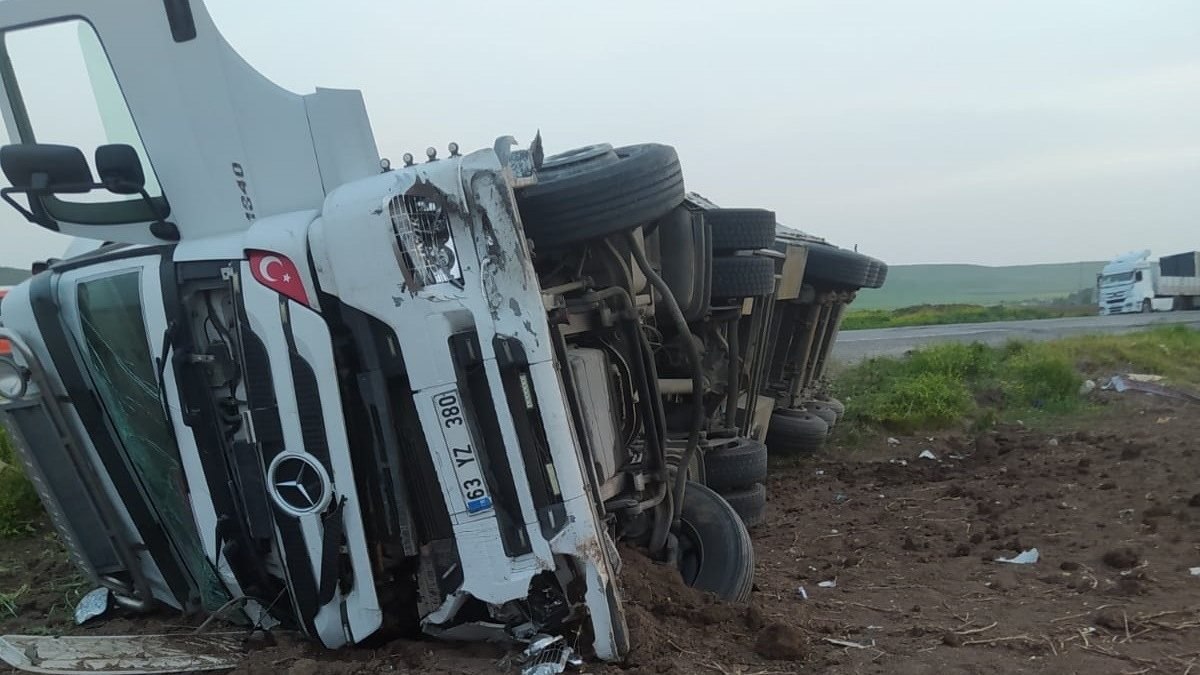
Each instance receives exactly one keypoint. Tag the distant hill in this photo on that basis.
(11, 277)
(909, 285)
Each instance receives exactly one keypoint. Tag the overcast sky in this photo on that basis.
(921, 131)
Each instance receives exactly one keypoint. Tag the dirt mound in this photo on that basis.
(670, 623)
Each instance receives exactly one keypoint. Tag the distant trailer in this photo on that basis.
(1134, 283)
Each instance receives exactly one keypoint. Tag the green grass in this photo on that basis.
(20, 508)
(909, 285)
(12, 277)
(934, 315)
(973, 385)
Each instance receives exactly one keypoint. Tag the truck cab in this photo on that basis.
(1126, 285)
(300, 387)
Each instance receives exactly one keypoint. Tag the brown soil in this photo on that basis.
(1112, 505)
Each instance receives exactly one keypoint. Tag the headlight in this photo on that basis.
(424, 241)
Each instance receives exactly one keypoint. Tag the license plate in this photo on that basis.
(462, 452)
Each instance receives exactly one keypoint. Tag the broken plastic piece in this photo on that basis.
(92, 605)
(927, 454)
(547, 655)
(832, 583)
(1023, 558)
(801, 592)
(848, 643)
(893, 440)
(1195, 571)
(132, 654)
(1143, 377)
(1122, 383)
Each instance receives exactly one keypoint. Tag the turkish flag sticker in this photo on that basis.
(278, 273)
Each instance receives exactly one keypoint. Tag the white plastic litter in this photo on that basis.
(832, 583)
(1023, 558)
(1087, 387)
(893, 441)
(92, 605)
(1195, 571)
(1144, 377)
(847, 643)
(927, 454)
(801, 592)
(125, 654)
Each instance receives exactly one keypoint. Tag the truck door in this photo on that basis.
(219, 144)
(113, 326)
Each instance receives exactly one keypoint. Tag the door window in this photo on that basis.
(117, 355)
(62, 90)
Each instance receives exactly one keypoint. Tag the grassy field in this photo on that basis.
(11, 277)
(909, 285)
(973, 385)
(20, 508)
(936, 315)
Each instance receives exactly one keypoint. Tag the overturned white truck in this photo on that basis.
(293, 385)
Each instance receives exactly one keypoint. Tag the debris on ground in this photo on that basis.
(125, 654)
(1143, 377)
(927, 454)
(95, 603)
(1027, 557)
(1123, 383)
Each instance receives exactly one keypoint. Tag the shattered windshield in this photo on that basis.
(118, 358)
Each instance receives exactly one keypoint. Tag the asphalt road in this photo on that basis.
(856, 345)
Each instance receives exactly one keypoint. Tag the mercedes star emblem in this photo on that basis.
(299, 484)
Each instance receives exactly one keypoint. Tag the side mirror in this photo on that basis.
(120, 169)
(38, 168)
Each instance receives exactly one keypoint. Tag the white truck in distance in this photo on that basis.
(1134, 283)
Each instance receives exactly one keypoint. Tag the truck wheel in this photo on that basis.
(836, 405)
(877, 275)
(1147, 306)
(741, 229)
(833, 266)
(750, 503)
(794, 432)
(715, 553)
(822, 410)
(742, 277)
(592, 192)
(738, 465)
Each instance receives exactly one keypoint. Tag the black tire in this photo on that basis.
(741, 229)
(742, 276)
(878, 274)
(596, 191)
(735, 466)
(822, 410)
(832, 266)
(715, 553)
(837, 406)
(750, 503)
(796, 432)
